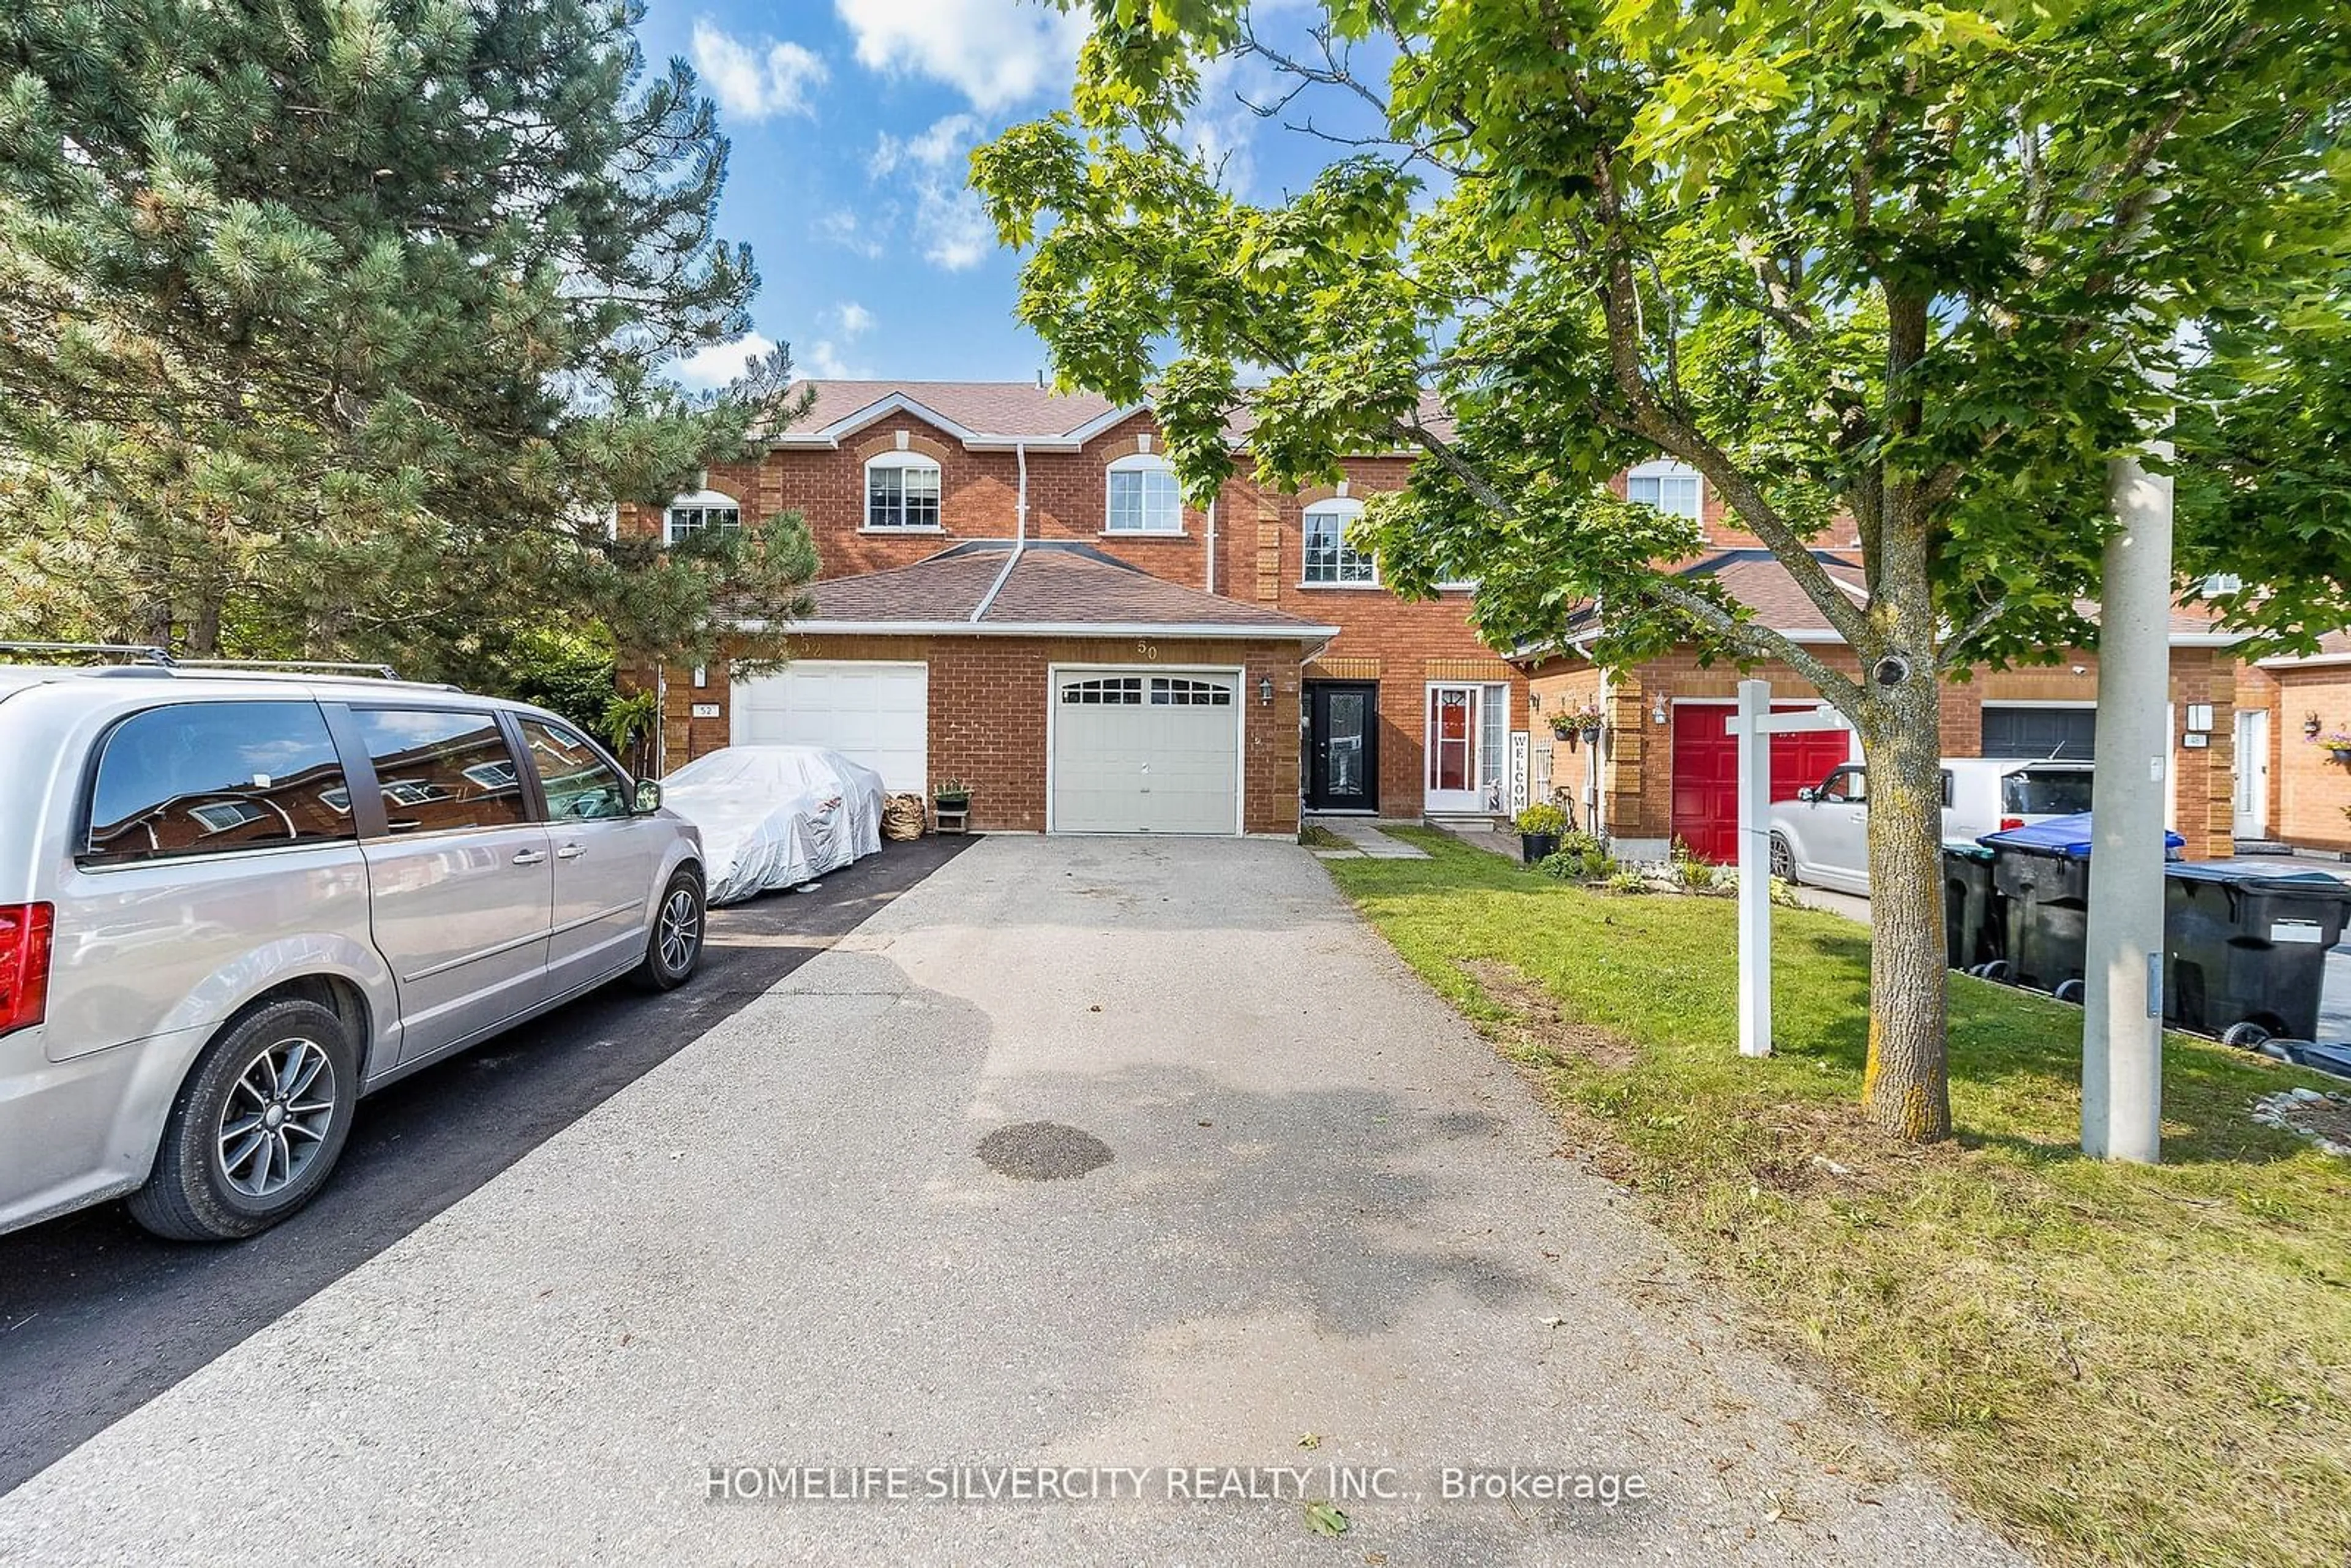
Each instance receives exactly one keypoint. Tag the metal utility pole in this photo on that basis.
(2122, 1020)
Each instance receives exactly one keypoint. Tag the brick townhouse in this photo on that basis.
(1014, 594)
(2294, 787)
(1664, 768)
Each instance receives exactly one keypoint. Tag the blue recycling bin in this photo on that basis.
(2245, 948)
(2043, 873)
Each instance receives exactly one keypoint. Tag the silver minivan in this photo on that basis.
(232, 902)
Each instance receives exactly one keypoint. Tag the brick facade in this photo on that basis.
(1637, 753)
(1258, 557)
(989, 699)
(2309, 791)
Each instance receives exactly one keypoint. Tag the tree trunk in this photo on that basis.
(1906, 1086)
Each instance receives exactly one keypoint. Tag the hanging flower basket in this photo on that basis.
(2337, 743)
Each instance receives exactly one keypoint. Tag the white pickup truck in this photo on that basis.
(1821, 836)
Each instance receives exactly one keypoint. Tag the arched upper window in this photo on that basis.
(1674, 488)
(701, 510)
(902, 491)
(1330, 561)
(1144, 497)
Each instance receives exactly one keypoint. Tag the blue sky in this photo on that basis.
(851, 121)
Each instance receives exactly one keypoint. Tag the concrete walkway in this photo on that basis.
(1332, 1229)
(1368, 839)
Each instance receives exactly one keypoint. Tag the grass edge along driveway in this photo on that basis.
(2114, 1363)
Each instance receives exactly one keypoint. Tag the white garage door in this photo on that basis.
(877, 714)
(1138, 751)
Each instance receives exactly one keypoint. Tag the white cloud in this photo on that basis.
(853, 319)
(756, 81)
(1221, 127)
(826, 362)
(847, 230)
(996, 53)
(949, 139)
(952, 228)
(720, 362)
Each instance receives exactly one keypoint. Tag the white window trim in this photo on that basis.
(695, 498)
(1669, 468)
(898, 458)
(1140, 463)
(1348, 508)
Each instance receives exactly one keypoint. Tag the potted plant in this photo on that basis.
(952, 795)
(1539, 826)
(2338, 743)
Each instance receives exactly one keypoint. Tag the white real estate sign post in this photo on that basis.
(1754, 727)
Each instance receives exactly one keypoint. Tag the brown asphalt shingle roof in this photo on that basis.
(984, 408)
(1052, 583)
(1017, 409)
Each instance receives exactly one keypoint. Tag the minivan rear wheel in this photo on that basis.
(673, 946)
(257, 1127)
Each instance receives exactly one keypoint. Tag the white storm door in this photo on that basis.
(1453, 779)
(2253, 763)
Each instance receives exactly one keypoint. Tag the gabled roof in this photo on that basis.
(2334, 648)
(978, 414)
(995, 588)
(992, 415)
(1760, 581)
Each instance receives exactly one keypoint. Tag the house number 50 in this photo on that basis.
(1148, 649)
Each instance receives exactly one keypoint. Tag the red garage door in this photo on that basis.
(1706, 772)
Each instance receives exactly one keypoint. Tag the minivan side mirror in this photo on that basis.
(1808, 794)
(649, 796)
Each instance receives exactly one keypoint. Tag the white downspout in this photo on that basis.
(1019, 536)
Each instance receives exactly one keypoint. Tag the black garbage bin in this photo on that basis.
(1973, 912)
(2043, 871)
(2245, 948)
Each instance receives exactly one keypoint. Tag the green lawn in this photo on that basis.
(2114, 1363)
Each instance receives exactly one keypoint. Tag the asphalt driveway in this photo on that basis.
(97, 1317)
(1329, 1229)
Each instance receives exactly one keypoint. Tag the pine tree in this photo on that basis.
(336, 329)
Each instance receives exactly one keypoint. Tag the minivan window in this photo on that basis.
(2052, 792)
(579, 783)
(441, 769)
(200, 778)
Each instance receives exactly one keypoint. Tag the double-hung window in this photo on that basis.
(902, 491)
(705, 511)
(1672, 489)
(1144, 497)
(1330, 561)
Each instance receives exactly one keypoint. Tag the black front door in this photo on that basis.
(1342, 745)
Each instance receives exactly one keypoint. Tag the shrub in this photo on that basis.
(1543, 818)
(1694, 874)
(1628, 881)
(1591, 864)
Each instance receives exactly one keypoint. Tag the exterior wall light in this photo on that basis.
(1657, 713)
(1265, 690)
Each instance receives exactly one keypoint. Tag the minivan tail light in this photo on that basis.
(23, 963)
(2008, 822)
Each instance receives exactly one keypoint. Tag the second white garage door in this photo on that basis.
(1137, 751)
(873, 712)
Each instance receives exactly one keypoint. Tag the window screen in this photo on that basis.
(210, 778)
(901, 496)
(441, 769)
(1144, 501)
